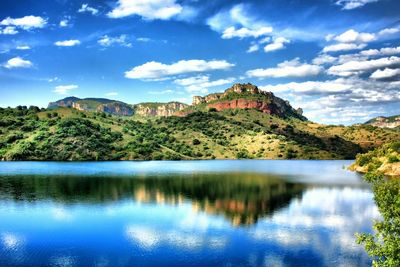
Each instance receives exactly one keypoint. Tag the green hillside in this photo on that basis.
(70, 134)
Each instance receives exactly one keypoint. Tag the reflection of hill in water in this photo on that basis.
(243, 198)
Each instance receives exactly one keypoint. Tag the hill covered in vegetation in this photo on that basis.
(385, 122)
(65, 133)
(385, 159)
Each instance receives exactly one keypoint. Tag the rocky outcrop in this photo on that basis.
(116, 108)
(95, 104)
(159, 109)
(244, 96)
(385, 122)
(66, 102)
(244, 103)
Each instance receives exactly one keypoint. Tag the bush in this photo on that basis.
(196, 142)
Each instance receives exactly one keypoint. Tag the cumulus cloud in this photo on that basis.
(292, 68)
(253, 48)
(64, 89)
(385, 74)
(147, 9)
(352, 36)
(201, 83)
(118, 40)
(67, 43)
(310, 87)
(358, 67)
(277, 44)
(352, 4)
(388, 31)
(85, 8)
(18, 62)
(64, 23)
(385, 51)
(26, 23)
(155, 70)
(324, 59)
(9, 30)
(343, 47)
(244, 32)
(341, 100)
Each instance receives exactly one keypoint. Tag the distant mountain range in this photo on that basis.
(385, 122)
(242, 96)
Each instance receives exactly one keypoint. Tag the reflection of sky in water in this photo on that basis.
(119, 222)
(318, 228)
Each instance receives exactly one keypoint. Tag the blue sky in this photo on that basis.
(337, 59)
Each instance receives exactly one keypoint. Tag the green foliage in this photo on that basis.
(69, 134)
(384, 245)
(196, 142)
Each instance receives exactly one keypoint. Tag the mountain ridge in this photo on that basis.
(241, 96)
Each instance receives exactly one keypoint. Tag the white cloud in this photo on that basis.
(253, 48)
(352, 36)
(23, 47)
(18, 62)
(119, 40)
(310, 87)
(243, 32)
(26, 23)
(357, 67)
(339, 100)
(86, 8)
(352, 4)
(385, 51)
(67, 43)
(9, 30)
(384, 74)
(324, 59)
(343, 47)
(64, 23)
(201, 83)
(156, 70)
(63, 89)
(147, 9)
(277, 44)
(388, 31)
(292, 68)
(112, 94)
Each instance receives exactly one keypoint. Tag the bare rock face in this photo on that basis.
(66, 102)
(159, 109)
(385, 122)
(116, 108)
(244, 96)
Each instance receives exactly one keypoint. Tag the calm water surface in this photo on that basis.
(184, 213)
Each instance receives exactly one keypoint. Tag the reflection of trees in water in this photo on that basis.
(243, 198)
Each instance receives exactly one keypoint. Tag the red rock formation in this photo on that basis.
(242, 104)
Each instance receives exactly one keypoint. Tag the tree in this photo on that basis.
(384, 245)
(196, 142)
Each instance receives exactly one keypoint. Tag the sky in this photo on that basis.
(339, 60)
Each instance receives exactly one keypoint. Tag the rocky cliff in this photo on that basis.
(385, 122)
(159, 109)
(66, 102)
(249, 96)
(95, 104)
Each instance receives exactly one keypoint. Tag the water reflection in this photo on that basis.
(241, 197)
(196, 219)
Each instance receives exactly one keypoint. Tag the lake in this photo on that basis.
(183, 213)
